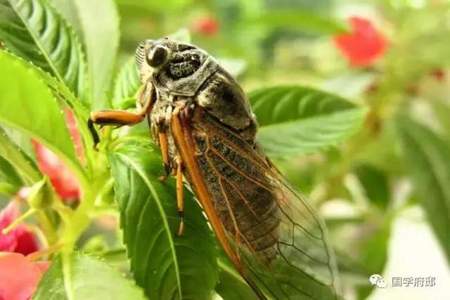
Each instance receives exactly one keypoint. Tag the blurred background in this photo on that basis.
(391, 56)
(384, 192)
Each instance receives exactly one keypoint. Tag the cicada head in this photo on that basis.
(177, 67)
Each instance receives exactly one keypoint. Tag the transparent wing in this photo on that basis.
(280, 240)
(304, 266)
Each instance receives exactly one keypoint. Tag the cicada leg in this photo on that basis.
(122, 117)
(180, 194)
(176, 169)
(112, 117)
(164, 146)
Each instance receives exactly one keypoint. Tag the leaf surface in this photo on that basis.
(18, 160)
(297, 120)
(27, 104)
(90, 279)
(299, 20)
(167, 266)
(126, 85)
(34, 31)
(231, 286)
(97, 23)
(427, 160)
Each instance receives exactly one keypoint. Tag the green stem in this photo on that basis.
(48, 227)
(19, 220)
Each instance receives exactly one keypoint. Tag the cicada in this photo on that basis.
(203, 123)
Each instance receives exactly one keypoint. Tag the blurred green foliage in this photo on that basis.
(358, 134)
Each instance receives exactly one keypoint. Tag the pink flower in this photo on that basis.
(20, 239)
(74, 133)
(62, 179)
(19, 277)
(208, 26)
(363, 45)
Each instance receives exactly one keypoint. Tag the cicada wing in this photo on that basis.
(293, 261)
(304, 266)
(275, 239)
(281, 241)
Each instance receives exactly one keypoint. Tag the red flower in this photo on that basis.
(20, 239)
(438, 74)
(62, 179)
(363, 45)
(208, 26)
(19, 277)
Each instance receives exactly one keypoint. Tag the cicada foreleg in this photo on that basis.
(147, 97)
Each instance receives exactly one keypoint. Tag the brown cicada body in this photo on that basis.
(202, 121)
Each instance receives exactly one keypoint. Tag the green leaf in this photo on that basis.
(148, 7)
(19, 139)
(375, 184)
(298, 20)
(165, 265)
(18, 160)
(365, 251)
(36, 32)
(297, 120)
(89, 279)
(10, 181)
(231, 285)
(373, 250)
(126, 85)
(7, 189)
(97, 22)
(426, 157)
(27, 104)
(9, 174)
(442, 111)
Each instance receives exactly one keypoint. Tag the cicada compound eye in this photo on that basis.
(157, 56)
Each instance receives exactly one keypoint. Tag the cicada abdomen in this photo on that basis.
(204, 126)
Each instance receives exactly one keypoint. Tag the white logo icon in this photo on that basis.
(377, 280)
